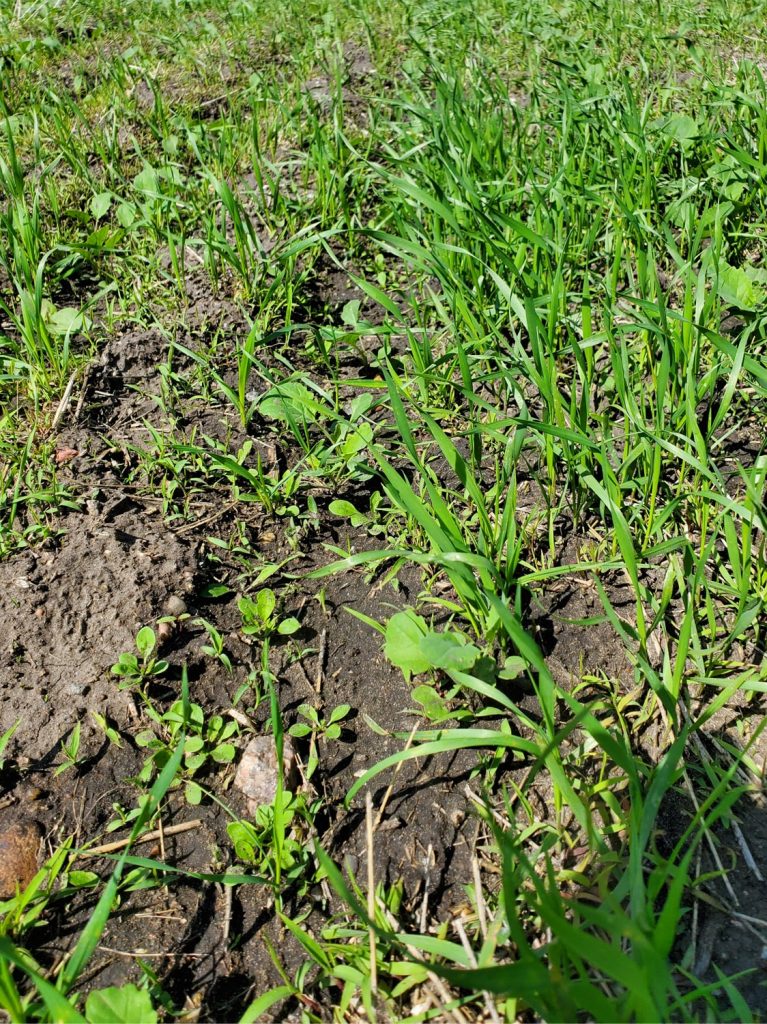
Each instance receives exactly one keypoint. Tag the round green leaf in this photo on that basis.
(193, 793)
(145, 641)
(288, 626)
(100, 204)
(224, 753)
(126, 1005)
(404, 633)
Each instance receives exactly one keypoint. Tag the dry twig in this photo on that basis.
(120, 844)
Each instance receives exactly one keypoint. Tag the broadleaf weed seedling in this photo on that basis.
(285, 858)
(315, 726)
(107, 728)
(206, 741)
(139, 671)
(260, 618)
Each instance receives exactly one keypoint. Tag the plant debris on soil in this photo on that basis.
(383, 405)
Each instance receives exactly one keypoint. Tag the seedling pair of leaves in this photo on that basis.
(314, 725)
(343, 451)
(259, 618)
(358, 330)
(412, 646)
(136, 671)
(372, 520)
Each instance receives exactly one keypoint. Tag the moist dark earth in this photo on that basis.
(71, 607)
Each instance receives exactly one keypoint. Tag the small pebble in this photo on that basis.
(20, 848)
(175, 606)
(164, 632)
(256, 776)
(351, 863)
